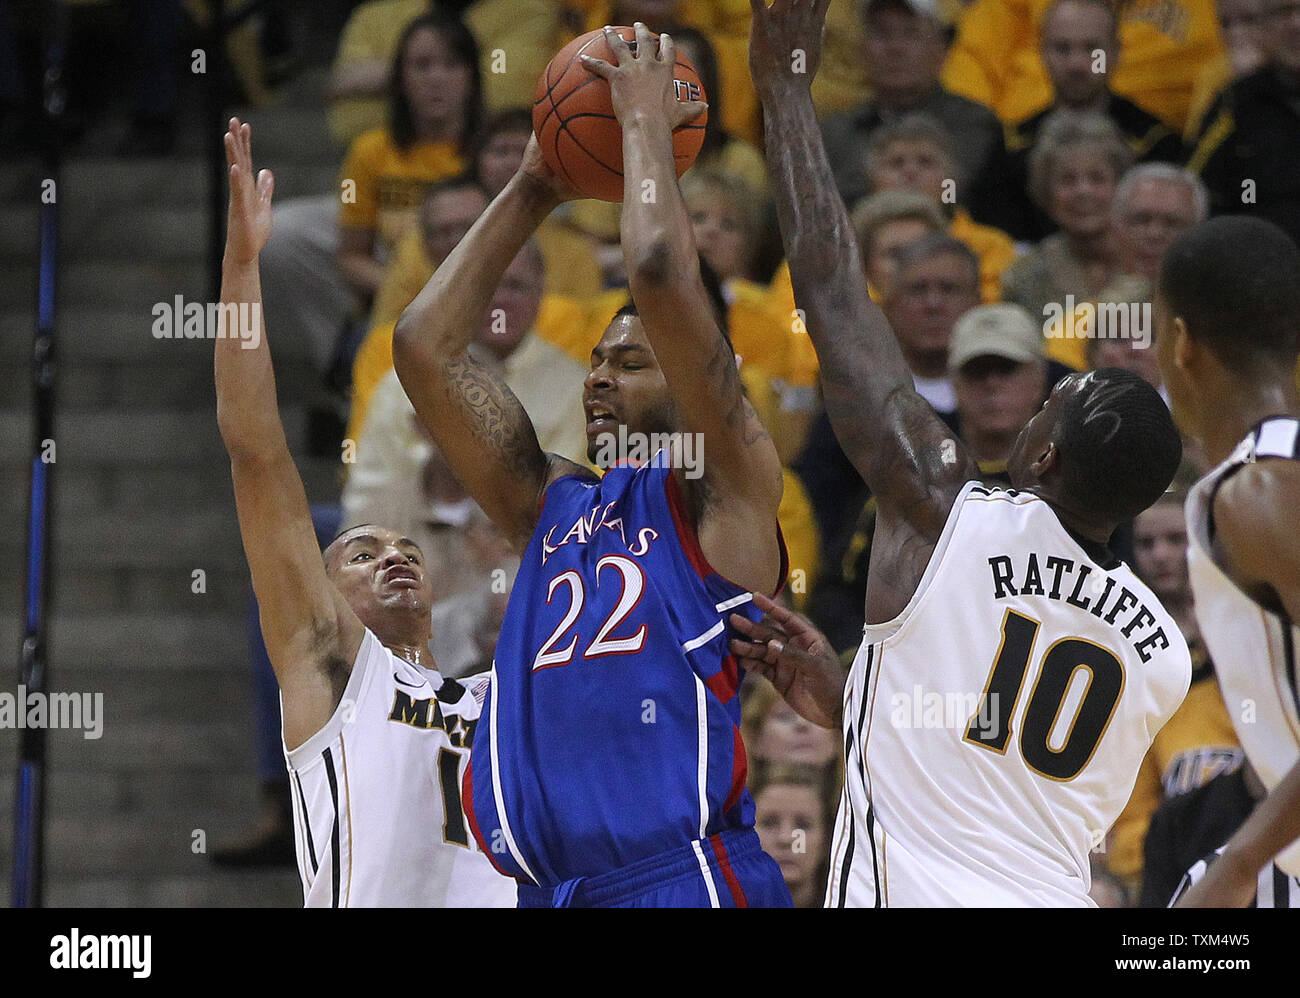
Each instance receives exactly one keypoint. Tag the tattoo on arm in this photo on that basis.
(501, 420)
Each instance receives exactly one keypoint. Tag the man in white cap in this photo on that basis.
(998, 371)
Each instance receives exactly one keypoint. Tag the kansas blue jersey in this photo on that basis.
(611, 731)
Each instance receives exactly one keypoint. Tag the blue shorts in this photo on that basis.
(728, 870)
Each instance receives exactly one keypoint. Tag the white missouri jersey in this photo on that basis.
(376, 794)
(994, 729)
(1254, 650)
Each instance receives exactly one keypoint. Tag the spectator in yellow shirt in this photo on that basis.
(995, 57)
(516, 39)
(1198, 743)
(326, 255)
(435, 108)
(1080, 47)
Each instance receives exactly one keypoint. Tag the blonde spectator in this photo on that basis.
(794, 809)
(913, 153)
(885, 222)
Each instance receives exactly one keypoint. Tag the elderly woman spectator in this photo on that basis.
(1074, 170)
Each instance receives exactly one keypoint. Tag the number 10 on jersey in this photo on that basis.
(1092, 711)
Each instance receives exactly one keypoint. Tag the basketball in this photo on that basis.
(573, 116)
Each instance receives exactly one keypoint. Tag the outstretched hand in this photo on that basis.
(787, 650)
(785, 42)
(248, 222)
(641, 80)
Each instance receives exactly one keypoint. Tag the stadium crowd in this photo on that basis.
(1015, 170)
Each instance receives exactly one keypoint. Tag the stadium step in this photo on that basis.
(144, 498)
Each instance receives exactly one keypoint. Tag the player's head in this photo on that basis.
(626, 386)
(1227, 311)
(1103, 446)
(382, 576)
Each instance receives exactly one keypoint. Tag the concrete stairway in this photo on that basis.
(144, 499)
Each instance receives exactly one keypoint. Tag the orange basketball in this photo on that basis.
(573, 116)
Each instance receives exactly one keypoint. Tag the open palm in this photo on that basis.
(248, 222)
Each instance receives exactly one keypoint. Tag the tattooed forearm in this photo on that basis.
(497, 418)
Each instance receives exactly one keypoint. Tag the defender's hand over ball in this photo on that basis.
(785, 43)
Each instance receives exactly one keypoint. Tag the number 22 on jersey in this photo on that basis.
(605, 642)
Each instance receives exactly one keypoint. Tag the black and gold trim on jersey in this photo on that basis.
(335, 859)
(853, 743)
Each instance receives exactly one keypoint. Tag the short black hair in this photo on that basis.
(1118, 443)
(712, 288)
(1235, 281)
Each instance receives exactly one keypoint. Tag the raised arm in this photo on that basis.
(312, 636)
(735, 500)
(893, 437)
(482, 430)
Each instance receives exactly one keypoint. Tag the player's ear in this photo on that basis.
(1042, 465)
(1184, 347)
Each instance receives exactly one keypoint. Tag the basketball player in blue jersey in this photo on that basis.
(374, 738)
(608, 768)
(1227, 319)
